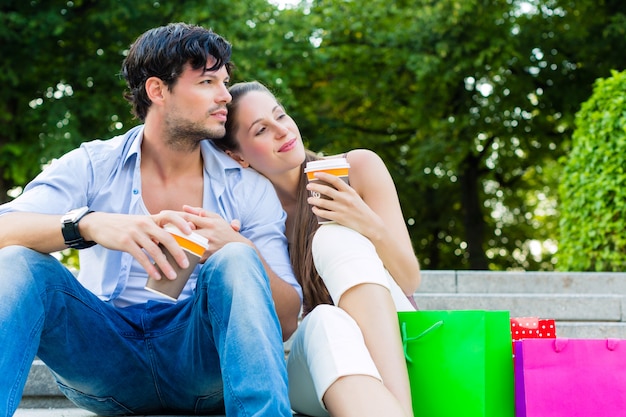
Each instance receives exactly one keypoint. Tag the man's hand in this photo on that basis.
(140, 236)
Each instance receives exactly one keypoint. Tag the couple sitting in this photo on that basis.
(117, 349)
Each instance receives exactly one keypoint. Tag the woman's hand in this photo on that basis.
(345, 206)
(215, 228)
(370, 205)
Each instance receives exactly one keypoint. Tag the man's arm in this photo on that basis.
(137, 235)
(40, 232)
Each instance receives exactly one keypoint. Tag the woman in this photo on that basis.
(346, 357)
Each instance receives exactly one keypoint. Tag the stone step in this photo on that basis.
(41, 389)
(591, 330)
(565, 307)
(584, 305)
(72, 412)
(53, 412)
(493, 282)
(43, 399)
(40, 382)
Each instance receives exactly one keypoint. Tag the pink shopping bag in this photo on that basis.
(570, 377)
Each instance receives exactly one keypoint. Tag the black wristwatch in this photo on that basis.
(69, 228)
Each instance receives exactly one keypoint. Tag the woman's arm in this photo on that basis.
(371, 206)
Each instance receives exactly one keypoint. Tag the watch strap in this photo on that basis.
(72, 236)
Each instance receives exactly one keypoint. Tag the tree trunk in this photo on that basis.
(473, 219)
(3, 191)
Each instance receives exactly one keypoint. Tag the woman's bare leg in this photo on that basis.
(372, 307)
(361, 396)
(359, 285)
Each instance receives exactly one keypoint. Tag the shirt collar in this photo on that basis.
(135, 137)
(216, 162)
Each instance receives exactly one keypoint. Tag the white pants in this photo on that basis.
(328, 343)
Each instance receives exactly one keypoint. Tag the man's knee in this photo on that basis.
(235, 266)
(19, 261)
(15, 253)
(234, 252)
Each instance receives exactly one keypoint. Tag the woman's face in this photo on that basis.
(269, 139)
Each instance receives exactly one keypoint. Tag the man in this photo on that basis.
(115, 348)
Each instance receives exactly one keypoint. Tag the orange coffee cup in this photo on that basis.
(338, 167)
(194, 246)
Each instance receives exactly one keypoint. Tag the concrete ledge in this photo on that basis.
(491, 282)
(584, 304)
(570, 307)
(53, 412)
(591, 330)
(41, 382)
(73, 412)
(438, 282)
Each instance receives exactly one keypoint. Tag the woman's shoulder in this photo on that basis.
(364, 165)
(358, 156)
(365, 161)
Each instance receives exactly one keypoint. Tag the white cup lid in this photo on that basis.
(322, 164)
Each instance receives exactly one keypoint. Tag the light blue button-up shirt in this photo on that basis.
(106, 176)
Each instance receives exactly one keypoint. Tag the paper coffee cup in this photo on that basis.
(194, 246)
(338, 167)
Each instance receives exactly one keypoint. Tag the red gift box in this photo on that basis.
(532, 328)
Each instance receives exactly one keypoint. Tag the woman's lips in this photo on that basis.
(287, 146)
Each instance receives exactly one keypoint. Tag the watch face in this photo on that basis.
(72, 215)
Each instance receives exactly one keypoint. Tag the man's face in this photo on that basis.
(196, 106)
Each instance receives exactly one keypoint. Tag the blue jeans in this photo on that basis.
(218, 351)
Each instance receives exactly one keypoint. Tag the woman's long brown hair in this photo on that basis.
(300, 251)
(305, 222)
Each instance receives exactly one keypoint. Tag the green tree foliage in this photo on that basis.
(60, 70)
(593, 185)
(469, 102)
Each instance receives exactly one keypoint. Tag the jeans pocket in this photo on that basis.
(105, 406)
(210, 404)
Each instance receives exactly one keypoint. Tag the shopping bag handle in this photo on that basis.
(406, 339)
(560, 343)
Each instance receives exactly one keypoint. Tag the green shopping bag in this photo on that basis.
(460, 362)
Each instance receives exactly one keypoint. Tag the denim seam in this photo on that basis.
(153, 371)
(25, 365)
(225, 377)
(68, 291)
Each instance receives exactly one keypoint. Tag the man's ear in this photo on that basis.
(154, 89)
(238, 158)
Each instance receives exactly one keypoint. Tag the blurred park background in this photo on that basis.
(503, 122)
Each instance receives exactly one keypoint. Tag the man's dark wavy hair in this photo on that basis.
(163, 52)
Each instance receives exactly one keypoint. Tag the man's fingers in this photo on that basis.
(156, 248)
